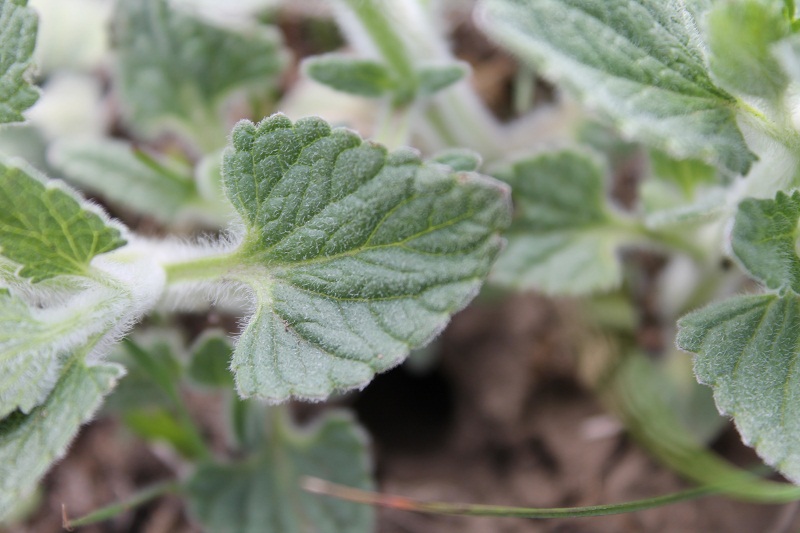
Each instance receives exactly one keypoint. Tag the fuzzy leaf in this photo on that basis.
(562, 239)
(362, 77)
(740, 37)
(47, 228)
(174, 67)
(18, 26)
(639, 62)
(354, 256)
(459, 159)
(133, 179)
(30, 443)
(747, 346)
(747, 351)
(263, 493)
(35, 343)
(765, 237)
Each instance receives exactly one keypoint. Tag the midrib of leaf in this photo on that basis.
(665, 36)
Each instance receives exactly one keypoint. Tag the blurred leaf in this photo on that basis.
(362, 77)
(638, 62)
(18, 25)
(263, 493)
(30, 443)
(175, 69)
(564, 237)
(134, 179)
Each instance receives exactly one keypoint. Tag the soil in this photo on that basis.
(499, 417)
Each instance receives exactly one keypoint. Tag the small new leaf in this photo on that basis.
(174, 67)
(30, 443)
(747, 346)
(264, 492)
(562, 239)
(47, 228)
(355, 256)
(639, 62)
(434, 78)
(362, 77)
(18, 26)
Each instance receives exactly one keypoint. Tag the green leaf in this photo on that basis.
(638, 62)
(30, 443)
(434, 78)
(361, 77)
(747, 346)
(355, 256)
(263, 493)
(175, 70)
(740, 38)
(209, 361)
(747, 351)
(564, 238)
(764, 240)
(36, 342)
(687, 174)
(18, 26)
(134, 179)
(47, 228)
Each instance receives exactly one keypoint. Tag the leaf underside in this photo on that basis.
(263, 493)
(30, 443)
(561, 240)
(45, 228)
(18, 26)
(357, 255)
(638, 62)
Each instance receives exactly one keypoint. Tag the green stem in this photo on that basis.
(202, 268)
(395, 126)
(110, 511)
(341, 492)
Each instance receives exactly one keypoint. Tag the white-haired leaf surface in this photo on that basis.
(30, 443)
(564, 237)
(18, 25)
(47, 228)
(263, 492)
(355, 256)
(639, 62)
(747, 346)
